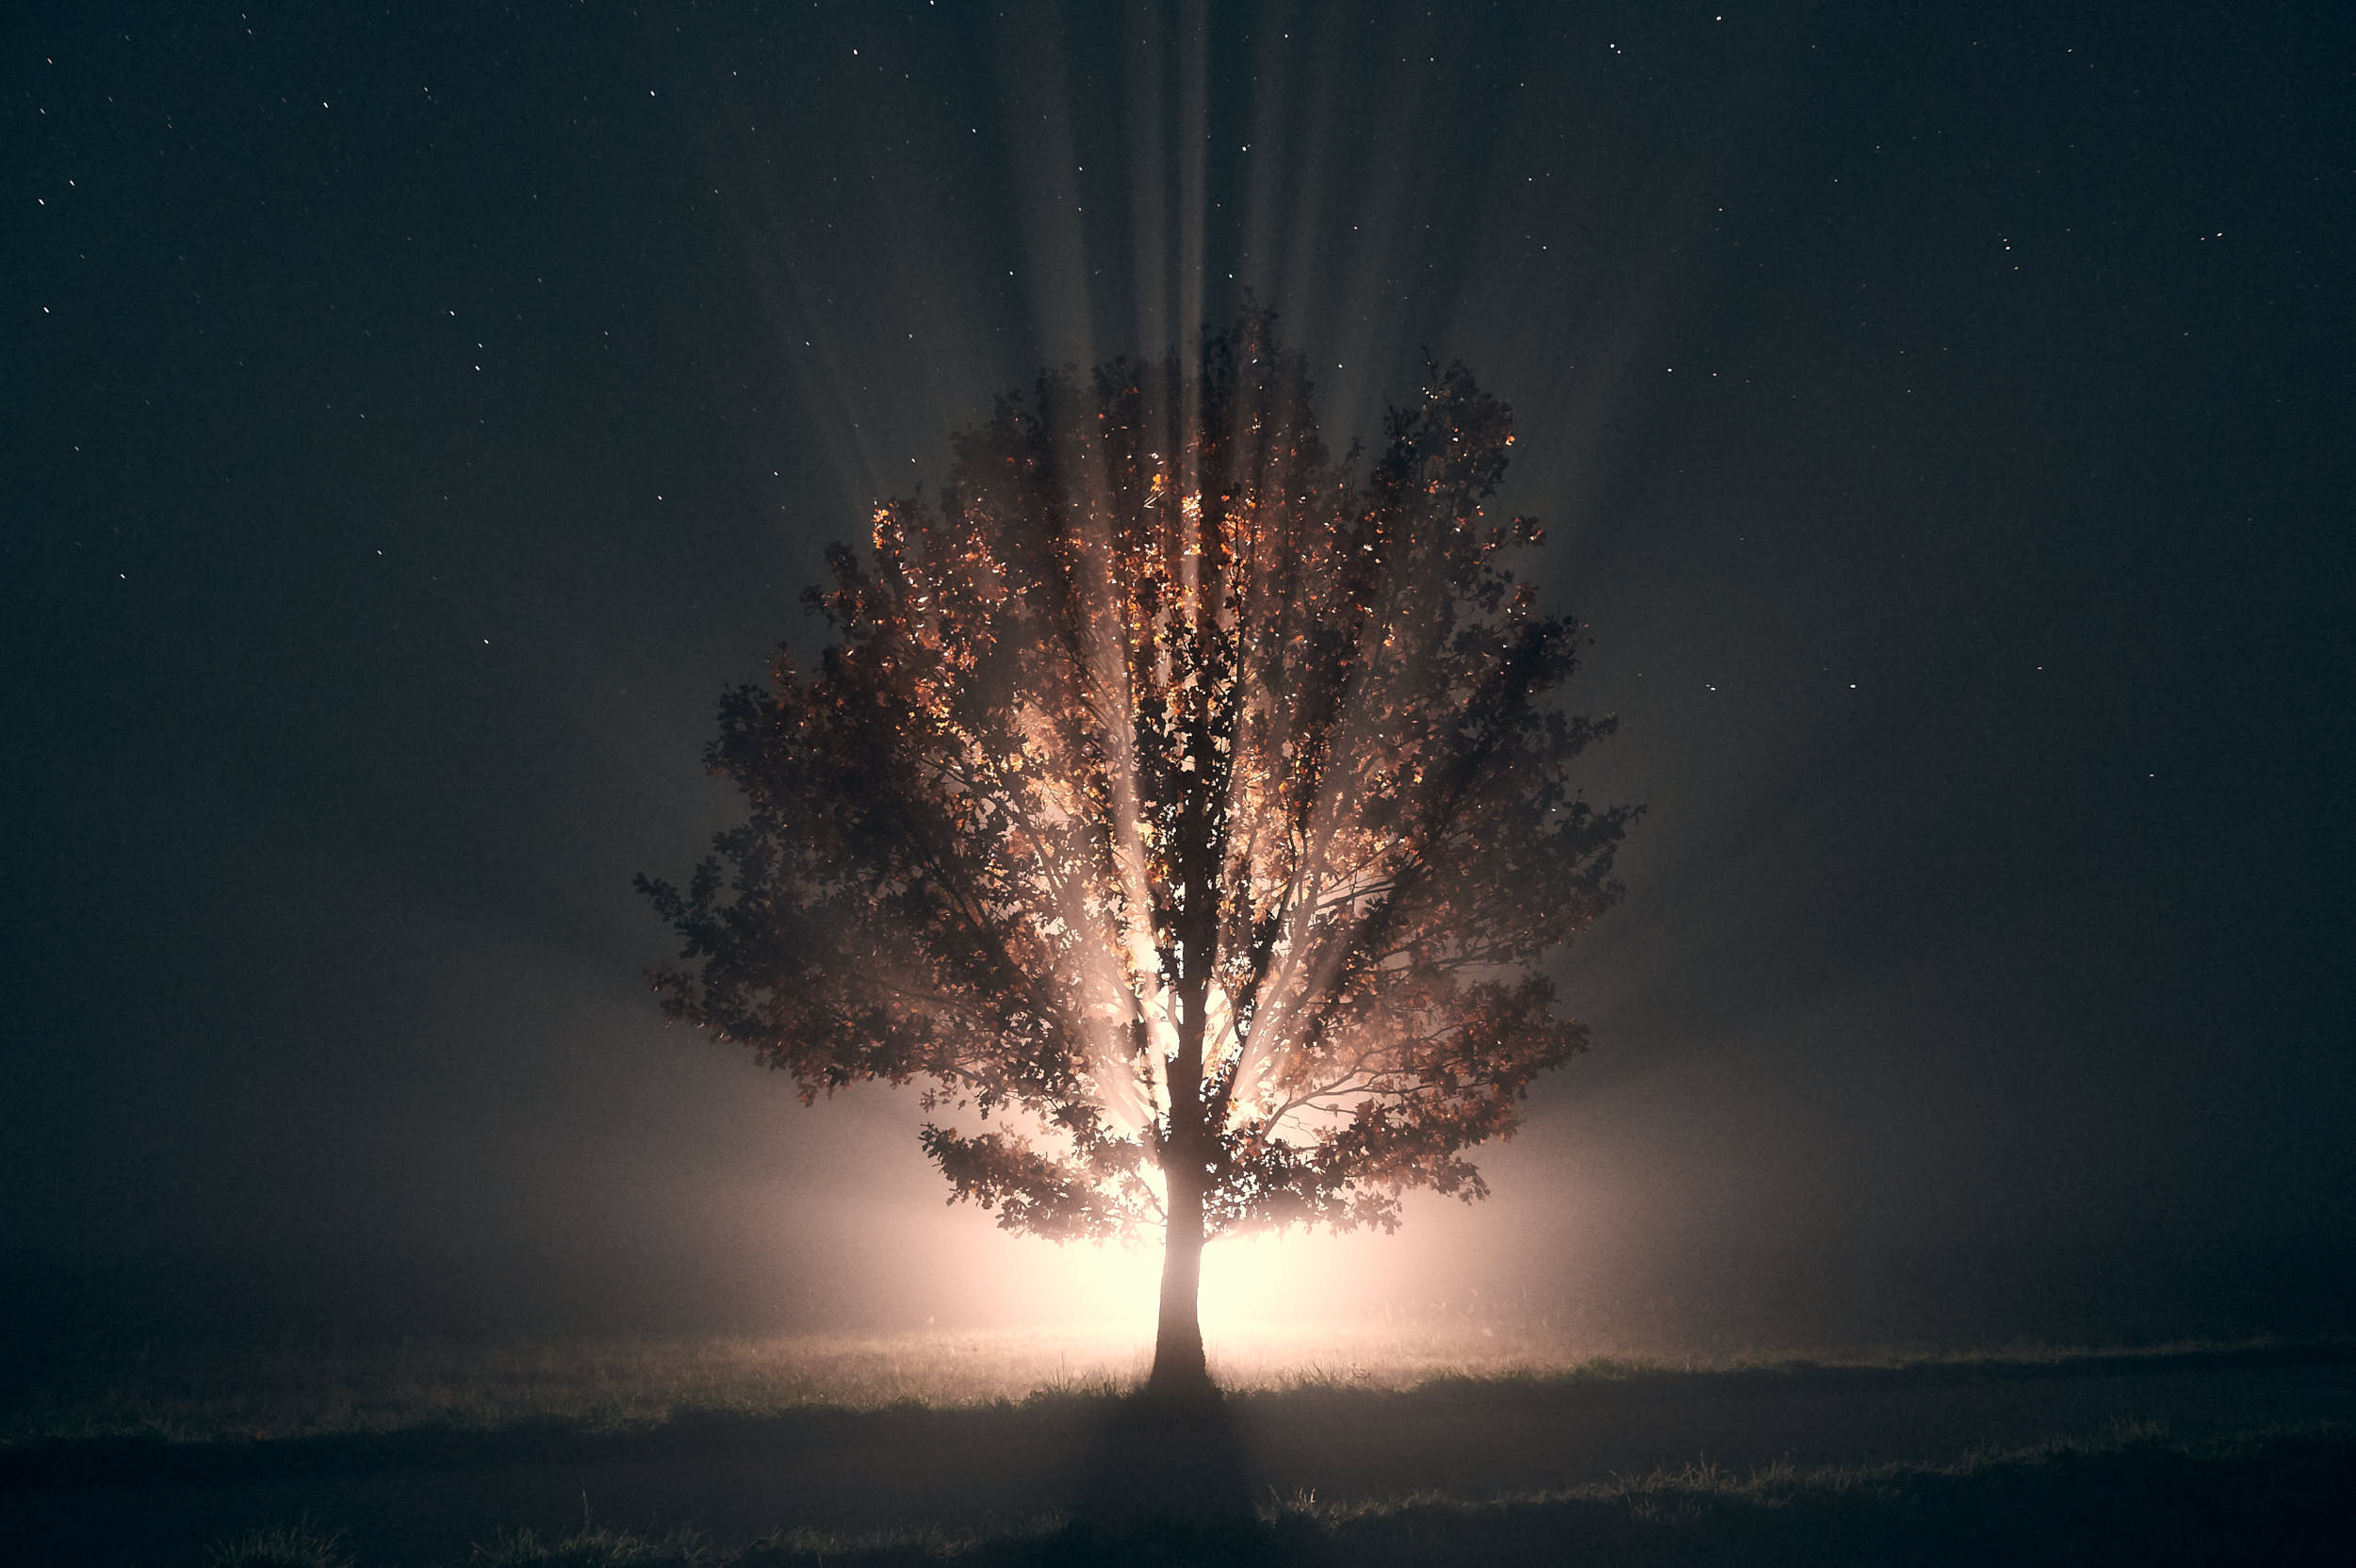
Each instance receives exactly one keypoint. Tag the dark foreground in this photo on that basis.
(2219, 1457)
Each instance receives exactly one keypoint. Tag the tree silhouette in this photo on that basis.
(1182, 807)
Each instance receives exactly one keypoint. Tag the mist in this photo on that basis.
(1951, 478)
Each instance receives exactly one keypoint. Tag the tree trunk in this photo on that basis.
(1179, 1369)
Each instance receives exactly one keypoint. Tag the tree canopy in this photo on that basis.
(1187, 812)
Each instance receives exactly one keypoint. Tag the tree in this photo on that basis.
(1183, 809)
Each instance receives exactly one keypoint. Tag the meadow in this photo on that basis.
(1390, 1443)
(310, 1387)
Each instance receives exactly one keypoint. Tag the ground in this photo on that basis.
(1393, 1446)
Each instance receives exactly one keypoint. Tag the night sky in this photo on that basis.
(415, 420)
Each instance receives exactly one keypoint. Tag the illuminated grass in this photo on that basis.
(296, 1391)
(304, 1392)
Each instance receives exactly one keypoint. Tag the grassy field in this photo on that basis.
(301, 1389)
(1397, 1444)
(2261, 1498)
(308, 1389)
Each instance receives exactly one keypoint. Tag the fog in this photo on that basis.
(1960, 529)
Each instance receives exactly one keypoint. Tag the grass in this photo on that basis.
(302, 1392)
(1098, 1475)
(296, 1545)
(2132, 1496)
(305, 1391)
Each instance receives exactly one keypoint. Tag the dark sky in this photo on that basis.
(415, 420)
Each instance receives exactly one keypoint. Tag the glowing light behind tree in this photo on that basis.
(1183, 806)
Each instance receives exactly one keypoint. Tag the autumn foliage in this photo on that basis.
(1187, 812)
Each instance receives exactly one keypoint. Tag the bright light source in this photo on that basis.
(1250, 1282)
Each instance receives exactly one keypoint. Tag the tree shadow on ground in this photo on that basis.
(1169, 1481)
